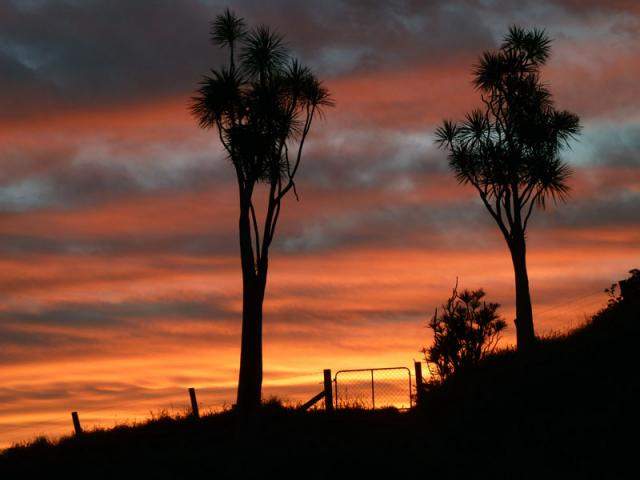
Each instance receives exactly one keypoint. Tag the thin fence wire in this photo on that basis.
(570, 313)
(574, 301)
(373, 388)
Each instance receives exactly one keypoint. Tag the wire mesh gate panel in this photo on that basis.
(373, 388)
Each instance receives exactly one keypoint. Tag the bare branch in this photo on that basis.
(267, 236)
(530, 210)
(494, 214)
(305, 131)
(255, 229)
(508, 206)
(277, 210)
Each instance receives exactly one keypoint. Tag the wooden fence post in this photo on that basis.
(194, 403)
(76, 423)
(328, 391)
(419, 384)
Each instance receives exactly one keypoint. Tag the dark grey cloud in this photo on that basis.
(15, 337)
(615, 209)
(611, 144)
(195, 244)
(394, 221)
(19, 345)
(59, 54)
(391, 225)
(389, 220)
(359, 35)
(25, 333)
(369, 158)
(22, 88)
(71, 54)
(591, 6)
(83, 315)
(98, 178)
(64, 54)
(157, 265)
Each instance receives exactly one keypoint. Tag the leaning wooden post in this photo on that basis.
(76, 423)
(194, 403)
(328, 391)
(419, 384)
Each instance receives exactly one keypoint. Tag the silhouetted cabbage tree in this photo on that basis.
(509, 149)
(465, 330)
(262, 105)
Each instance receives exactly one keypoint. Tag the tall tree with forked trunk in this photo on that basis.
(509, 149)
(262, 105)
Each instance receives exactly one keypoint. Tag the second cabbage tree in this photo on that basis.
(508, 150)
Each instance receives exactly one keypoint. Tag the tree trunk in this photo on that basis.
(524, 314)
(250, 379)
(253, 286)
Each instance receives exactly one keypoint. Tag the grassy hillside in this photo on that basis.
(572, 404)
(570, 407)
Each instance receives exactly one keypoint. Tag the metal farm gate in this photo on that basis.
(373, 388)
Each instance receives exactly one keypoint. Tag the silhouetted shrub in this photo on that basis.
(464, 332)
(627, 291)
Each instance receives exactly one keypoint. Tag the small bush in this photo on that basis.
(627, 290)
(464, 331)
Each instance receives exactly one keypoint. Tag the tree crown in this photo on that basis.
(261, 106)
(509, 149)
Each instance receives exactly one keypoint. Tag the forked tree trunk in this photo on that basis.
(525, 334)
(253, 287)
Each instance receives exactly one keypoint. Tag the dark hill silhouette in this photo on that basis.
(571, 406)
(578, 392)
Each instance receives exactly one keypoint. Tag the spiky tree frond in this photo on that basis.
(564, 126)
(227, 29)
(551, 178)
(264, 53)
(474, 129)
(218, 98)
(446, 134)
(489, 71)
(534, 45)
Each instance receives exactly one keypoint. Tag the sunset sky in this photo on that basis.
(119, 270)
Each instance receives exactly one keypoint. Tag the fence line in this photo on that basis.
(571, 301)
